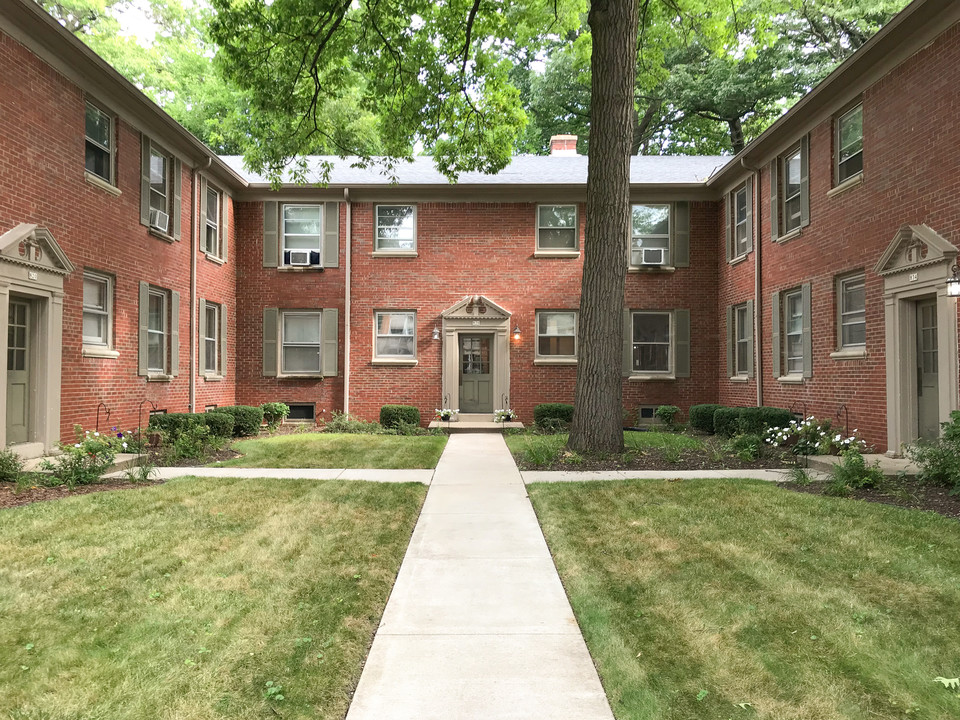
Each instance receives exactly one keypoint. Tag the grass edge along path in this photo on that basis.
(339, 450)
(537, 449)
(715, 599)
(186, 599)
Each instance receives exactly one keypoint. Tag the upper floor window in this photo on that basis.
(849, 144)
(660, 235)
(160, 190)
(740, 221)
(302, 234)
(396, 335)
(851, 309)
(790, 191)
(299, 235)
(99, 143)
(396, 228)
(557, 228)
(211, 219)
(557, 333)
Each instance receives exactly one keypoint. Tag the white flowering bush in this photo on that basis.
(445, 414)
(86, 460)
(812, 437)
(504, 415)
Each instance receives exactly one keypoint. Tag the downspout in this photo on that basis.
(194, 236)
(757, 283)
(346, 301)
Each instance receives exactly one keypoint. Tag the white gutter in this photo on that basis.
(757, 283)
(346, 301)
(195, 220)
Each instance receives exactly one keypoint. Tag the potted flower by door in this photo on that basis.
(445, 415)
(505, 415)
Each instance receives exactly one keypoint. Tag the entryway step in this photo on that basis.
(890, 467)
(474, 422)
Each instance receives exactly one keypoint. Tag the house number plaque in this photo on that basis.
(31, 275)
(913, 277)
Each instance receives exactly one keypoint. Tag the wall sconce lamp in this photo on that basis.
(436, 333)
(516, 329)
(953, 282)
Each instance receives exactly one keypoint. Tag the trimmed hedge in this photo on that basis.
(392, 416)
(173, 424)
(748, 420)
(246, 419)
(726, 421)
(701, 417)
(552, 414)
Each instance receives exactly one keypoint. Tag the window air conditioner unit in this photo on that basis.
(159, 220)
(300, 257)
(654, 256)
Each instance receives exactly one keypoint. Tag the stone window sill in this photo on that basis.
(795, 233)
(394, 253)
(96, 351)
(649, 378)
(555, 361)
(301, 376)
(556, 253)
(99, 182)
(289, 269)
(158, 377)
(397, 361)
(210, 377)
(651, 269)
(848, 184)
(791, 379)
(162, 235)
(739, 379)
(849, 354)
(739, 259)
(214, 259)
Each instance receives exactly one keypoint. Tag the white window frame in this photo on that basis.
(838, 134)
(787, 297)
(741, 245)
(791, 224)
(163, 332)
(283, 234)
(843, 313)
(111, 151)
(376, 238)
(552, 356)
(216, 370)
(667, 237)
(167, 194)
(90, 343)
(377, 336)
(574, 248)
(214, 223)
(318, 314)
(742, 328)
(671, 341)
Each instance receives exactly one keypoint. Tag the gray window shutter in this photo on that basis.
(142, 328)
(681, 343)
(201, 356)
(731, 340)
(331, 234)
(144, 180)
(226, 206)
(749, 214)
(177, 197)
(627, 344)
(174, 333)
(774, 199)
(681, 234)
(804, 181)
(223, 341)
(330, 329)
(807, 334)
(271, 247)
(729, 204)
(271, 321)
(750, 337)
(202, 235)
(775, 333)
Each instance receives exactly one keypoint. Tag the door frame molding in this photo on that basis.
(475, 315)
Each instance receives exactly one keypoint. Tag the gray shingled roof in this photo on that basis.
(523, 170)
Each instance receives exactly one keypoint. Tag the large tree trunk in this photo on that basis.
(736, 134)
(597, 416)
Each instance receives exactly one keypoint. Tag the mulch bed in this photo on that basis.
(657, 460)
(9, 498)
(907, 493)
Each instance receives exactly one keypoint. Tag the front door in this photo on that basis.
(928, 388)
(476, 376)
(18, 371)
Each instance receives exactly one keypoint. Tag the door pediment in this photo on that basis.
(475, 307)
(34, 247)
(915, 246)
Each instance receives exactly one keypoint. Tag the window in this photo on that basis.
(849, 144)
(740, 221)
(656, 344)
(396, 335)
(851, 305)
(301, 343)
(557, 334)
(99, 143)
(97, 309)
(159, 181)
(793, 322)
(740, 352)
(396, 228)
(301, 412)
(790, 191)
(211, 236)
(651, 342)
(157, 333)
(213, 339)
(302, 233)
(160, 190)
(159, 313)
(557, 228)
(651, 235)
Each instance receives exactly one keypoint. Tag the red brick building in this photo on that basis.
(139, 270)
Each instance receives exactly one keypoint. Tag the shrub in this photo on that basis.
(726, 421)
(192, 443)
(392, 415)
(939, 460)
(246, 419)
(84, 462)
(773, 417)
(746, 446)
(701, 417)
(220, 424)
(274, 413)
(340, 422)
(852, 472)
(11, 466)
(812, 437)
(667, 414)
(553, 415)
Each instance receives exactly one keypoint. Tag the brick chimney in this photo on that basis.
(563, 145)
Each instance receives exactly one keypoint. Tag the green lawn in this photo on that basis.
(544, 449)
(183, 600)
(698, 596)
(331, 450)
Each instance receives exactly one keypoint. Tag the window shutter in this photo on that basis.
(731, 340)
(142, 328)
(223, 341)
(681, 234)
(201, 356)
(271, 248)
(774, 199)
(749, 214)
(807, 334)
(226, 207)
(202, 235)
(330, 329)
(804, 181)
(331, 235)
(775, 332)
(144, 180)
(750, 336)
(174, 333)
(627, 344)
(270, 335)
(681, 343)
(177, 197)
(729, 205)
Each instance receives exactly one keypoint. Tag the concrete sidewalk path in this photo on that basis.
(398, 476)
(478, 625)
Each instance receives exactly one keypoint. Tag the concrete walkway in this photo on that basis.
(399, 476)
(478, 625)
